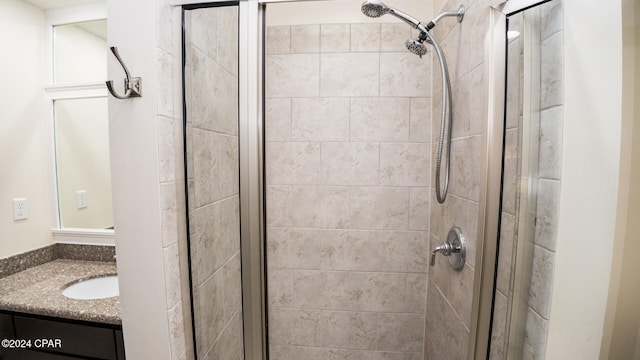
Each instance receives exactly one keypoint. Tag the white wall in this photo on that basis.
(148, 180)
(25, 142)
(590, 172)
(623, 318)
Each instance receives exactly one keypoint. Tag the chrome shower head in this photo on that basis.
(376, 8)
(416, 46)
(373, 8)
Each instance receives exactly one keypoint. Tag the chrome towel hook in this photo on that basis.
(131, 84)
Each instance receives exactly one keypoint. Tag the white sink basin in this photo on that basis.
(94, 288)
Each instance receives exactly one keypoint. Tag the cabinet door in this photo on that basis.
(80, 340)
(6, 332)
(34, 355)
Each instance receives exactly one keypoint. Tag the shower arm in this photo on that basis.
(459, 14)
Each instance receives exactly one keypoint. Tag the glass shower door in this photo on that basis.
(212, 170)
(347, 164)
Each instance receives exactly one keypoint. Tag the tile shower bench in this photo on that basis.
(32, 307)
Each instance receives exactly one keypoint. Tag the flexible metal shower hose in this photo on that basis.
(446, 116)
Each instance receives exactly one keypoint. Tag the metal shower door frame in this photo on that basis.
(491, 176)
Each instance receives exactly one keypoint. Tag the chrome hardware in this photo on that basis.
(455, 247)
(131, 84)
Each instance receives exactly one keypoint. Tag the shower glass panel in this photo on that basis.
(347, 182)
(210, 45)
(531, 184)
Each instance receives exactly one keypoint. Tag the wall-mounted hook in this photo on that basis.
(131, 84)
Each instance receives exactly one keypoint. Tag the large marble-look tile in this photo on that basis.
(551, 18)
(393, 36)
(350, 250)
(551, 73)
(279, 203)
(335, 38)
(278, 40)
(541, 281)
(419, 203)
(547, 213)
(323, 328)
(404, 164)
(550, 155)
(228, 39)
(380, 119)
(293, 75)
(209, 309)
(420, 120)
(400, 332)
(535, 336)
(320, 119)
(278, 119)
(206, 171)
(404, 251)
(465, 168)
(283, 352)
(229, 345)
(217, 237)
(498, 349)
(349, 74)
(203, 31)
(506, 255)
(228, 153)
(232, 288)
(365, 37)
(404, 74)
(216, 94)
(321, 206)
(305, 38)
(293, 163)
(379, 208)
(351, 163)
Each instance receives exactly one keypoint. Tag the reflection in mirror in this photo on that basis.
(211, 128)
(531, 182)
(81, 128)
(80, 52)
(82, 163)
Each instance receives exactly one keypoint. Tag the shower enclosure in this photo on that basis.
(310, 147)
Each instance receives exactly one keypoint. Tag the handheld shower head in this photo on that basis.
(416, 46)
(376, 8)
(373, 8)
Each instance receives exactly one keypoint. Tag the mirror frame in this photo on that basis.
(55, 17)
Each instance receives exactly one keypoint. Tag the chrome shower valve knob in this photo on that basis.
(454, 247)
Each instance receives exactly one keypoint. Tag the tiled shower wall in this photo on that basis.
(347, 188)
(549, 177)
(450, 292)
(211, 83)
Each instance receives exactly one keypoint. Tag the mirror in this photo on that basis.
(82, 163)
(81, 130)
(80, 52)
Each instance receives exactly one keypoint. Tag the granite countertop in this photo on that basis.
(38, 290)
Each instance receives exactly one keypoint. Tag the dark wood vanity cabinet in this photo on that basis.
(60, 339)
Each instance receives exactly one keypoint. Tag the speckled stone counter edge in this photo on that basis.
(24, 261)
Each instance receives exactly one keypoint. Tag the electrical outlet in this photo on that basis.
(81, 199)
(20, 209)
